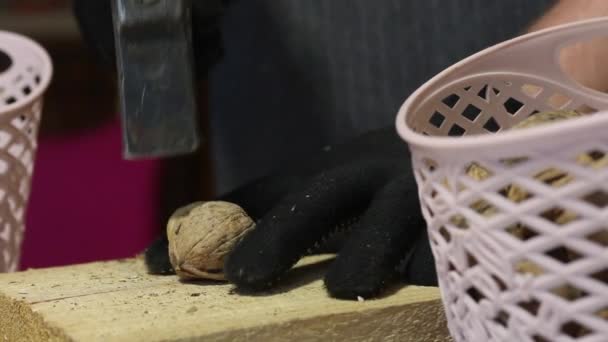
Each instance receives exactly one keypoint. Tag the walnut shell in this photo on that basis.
(202, 234)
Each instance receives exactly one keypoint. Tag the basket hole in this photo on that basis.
(515, 193)
(531, 90)
(554, 177)
(559, 216)
(526, 266)
(598, 198)
(21, 117)
(501, 284)
(595, 159)
(599, 237)
(421, 175)
(456, 131)
(512, 105)
(596, 155)
(539, 338)
(575, 329)
(530, 306)
(511, 162)
(521, 231)
(601, 276)
(502, 318)
(431, 213)
(564, 255)
(26, 90)
(37, 79)
(585, 109)
(445, 234)
(451, 100)
(459, 221)
(472, 261)
(10, 100)
(483, 92)
(475, 294)
(471, 112)
(478, 172)
(484, 208)
(558, 101)
(437, 119)
(491, 126)
(603, 313)
(569, 292)
(451, 267)
(496, 91)
(467, 88)
(430, 164)
(460, 187)
(5, 62)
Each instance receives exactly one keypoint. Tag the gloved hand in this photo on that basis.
(95, 21)
(364, 191)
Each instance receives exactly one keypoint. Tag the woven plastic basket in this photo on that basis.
(25, 72)
(532, 267)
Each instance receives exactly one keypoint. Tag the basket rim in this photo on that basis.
(46, 76)
(509, 139)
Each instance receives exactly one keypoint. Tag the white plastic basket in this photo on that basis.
(25, 75)
(544, 280)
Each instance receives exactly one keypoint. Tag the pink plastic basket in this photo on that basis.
(515, 274)
(26, 74)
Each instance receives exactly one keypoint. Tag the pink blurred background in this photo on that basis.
(87, 203)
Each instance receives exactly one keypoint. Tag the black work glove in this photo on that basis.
(94, 18)
(363, 191)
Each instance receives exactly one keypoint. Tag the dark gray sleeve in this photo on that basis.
(298, 75)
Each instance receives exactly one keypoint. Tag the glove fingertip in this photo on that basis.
(156, 258)
(347, 281)
(246, 277)
(419, 267)
(252, 267)
(353, 288)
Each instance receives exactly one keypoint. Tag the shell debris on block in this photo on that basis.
(202, 234)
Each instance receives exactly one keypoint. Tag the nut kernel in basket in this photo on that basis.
(550, 176)
(202, 234)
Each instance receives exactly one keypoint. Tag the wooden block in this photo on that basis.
(119, 301)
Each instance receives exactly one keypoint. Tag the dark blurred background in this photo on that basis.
(87, 203)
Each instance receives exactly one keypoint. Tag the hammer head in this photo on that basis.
(156, 83)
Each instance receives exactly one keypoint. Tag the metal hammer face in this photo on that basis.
(156, 78)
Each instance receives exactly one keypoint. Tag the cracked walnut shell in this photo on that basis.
(202, 234)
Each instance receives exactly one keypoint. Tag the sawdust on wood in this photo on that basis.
(31, 326)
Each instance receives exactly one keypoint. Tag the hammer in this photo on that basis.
(154, 55)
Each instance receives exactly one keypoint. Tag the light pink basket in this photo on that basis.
(448, 124)
(22, 86)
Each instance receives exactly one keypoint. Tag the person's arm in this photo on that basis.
(585, 62)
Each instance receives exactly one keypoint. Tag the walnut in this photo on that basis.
(202, 234)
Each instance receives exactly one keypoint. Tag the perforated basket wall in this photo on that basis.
(25, 72)
(517, 219)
